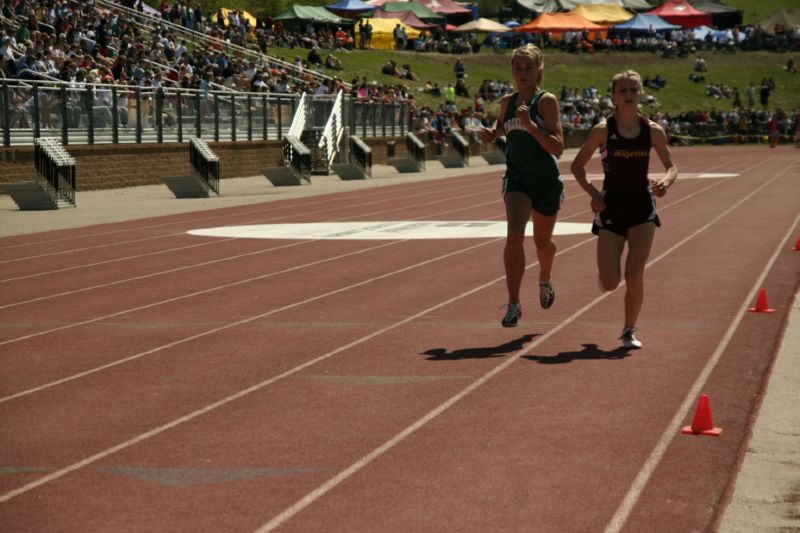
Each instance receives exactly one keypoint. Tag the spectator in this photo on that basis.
(390, 68)
(332, 62)
(764, 93)
(450, 92)
(459, 69)
(700, 64)
(461, 88)
(313, 57)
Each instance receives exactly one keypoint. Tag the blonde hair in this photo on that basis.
(533, 53)
(626, 75)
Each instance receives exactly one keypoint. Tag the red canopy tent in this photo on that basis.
(407, 17)
(558, 23)
(682, 13)
(444, 7)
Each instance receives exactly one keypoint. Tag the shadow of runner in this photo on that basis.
(441, 354)
(589, 352)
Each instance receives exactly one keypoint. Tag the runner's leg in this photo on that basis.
(609, 255)
(518, 212)
(543, 227)
(640, 240)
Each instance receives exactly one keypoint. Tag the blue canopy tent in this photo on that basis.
(349, 8)
(642, 23)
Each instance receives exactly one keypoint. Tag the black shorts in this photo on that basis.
(546, 198)
(624, 210)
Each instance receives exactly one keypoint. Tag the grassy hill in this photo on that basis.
(756, 10)
(737, 70)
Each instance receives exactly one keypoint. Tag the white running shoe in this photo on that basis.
(547, 294)
(513, 314)
(629, 340)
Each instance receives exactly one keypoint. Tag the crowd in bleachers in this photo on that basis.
(83, 43)
(75, 42)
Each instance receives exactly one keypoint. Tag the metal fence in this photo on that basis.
(103, 114)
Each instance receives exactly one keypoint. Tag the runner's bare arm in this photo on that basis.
(490, 134)
(596, 140)
(659, 139)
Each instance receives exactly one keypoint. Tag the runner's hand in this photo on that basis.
(523, 113)
(658, 187)
(598, 204)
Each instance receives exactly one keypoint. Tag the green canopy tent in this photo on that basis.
(722, 15)
(422, 12)
(311, 14)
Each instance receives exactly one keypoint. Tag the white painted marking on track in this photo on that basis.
(682, 176)
(386, 230)
(389, 444)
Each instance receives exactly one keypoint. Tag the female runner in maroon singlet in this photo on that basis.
(625, 208)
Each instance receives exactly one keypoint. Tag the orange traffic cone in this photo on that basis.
(797, 245)
(702, 423)
(761, 303)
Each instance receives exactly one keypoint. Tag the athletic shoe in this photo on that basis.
(629, 340)
(547, 294)
(513, 314)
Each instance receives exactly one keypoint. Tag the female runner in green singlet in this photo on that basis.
(532, 186)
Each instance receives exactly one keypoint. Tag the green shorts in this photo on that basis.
(546, 199)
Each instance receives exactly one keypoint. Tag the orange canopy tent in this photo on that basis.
(558, 23)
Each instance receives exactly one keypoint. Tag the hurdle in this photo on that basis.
(55, 182)
(415, 160)
(205, 175)
(459, 158)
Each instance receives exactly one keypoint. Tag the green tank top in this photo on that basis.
(525, 157)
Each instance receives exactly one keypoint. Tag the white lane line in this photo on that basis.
(653, 460)
(348, 472)
(180, 233)
(156, 431)
(131, 442)
(194, 265)
(180, 341)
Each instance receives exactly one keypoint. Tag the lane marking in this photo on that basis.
(682, 175)
(345, 474)
(189, 477)
(242, 393)
(386, 230)
(271, 216)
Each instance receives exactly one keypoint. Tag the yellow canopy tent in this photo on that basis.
(383, 32)
(244, 14)
(604, 14)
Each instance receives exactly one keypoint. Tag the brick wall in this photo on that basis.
(110, 166)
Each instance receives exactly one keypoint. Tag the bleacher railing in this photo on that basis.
(205, 164)
(332, 133)
(55, 170)
(300, 117)
(111, 114)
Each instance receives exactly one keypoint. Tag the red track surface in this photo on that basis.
(154, 380)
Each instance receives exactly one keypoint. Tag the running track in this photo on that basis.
(159, 381)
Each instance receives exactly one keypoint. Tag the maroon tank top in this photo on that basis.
(625, 161)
